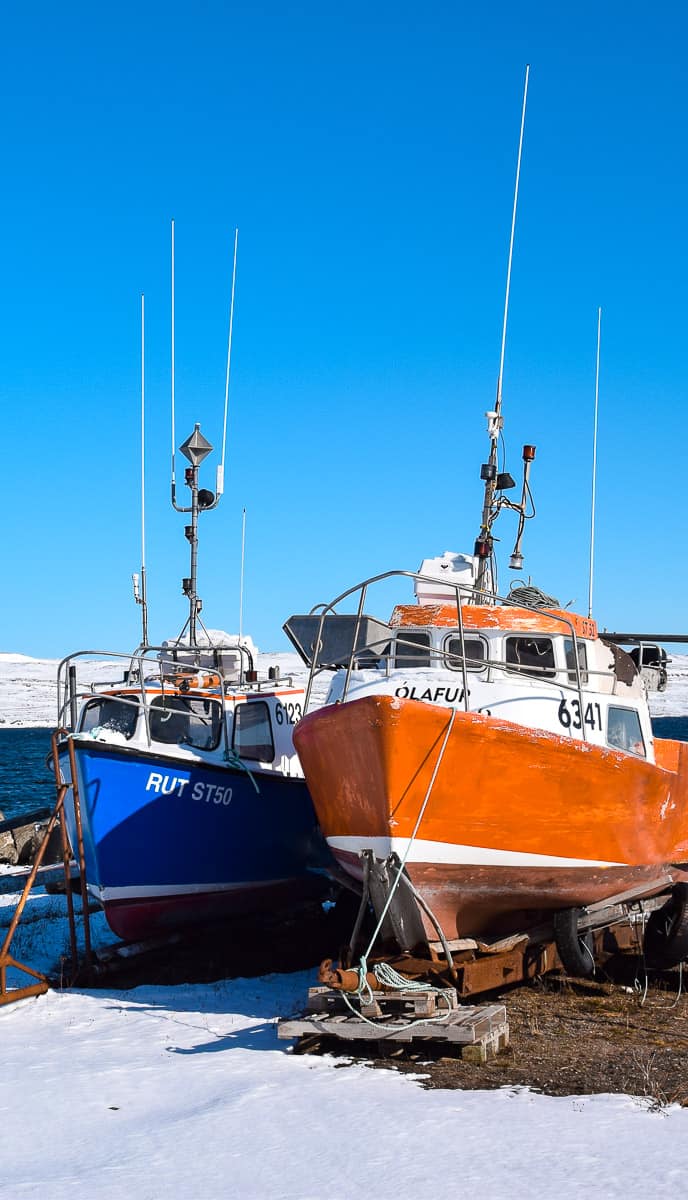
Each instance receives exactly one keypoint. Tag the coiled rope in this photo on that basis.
(533, 596)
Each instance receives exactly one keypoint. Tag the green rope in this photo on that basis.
(444, 993)
(364, 991)
(231, 757)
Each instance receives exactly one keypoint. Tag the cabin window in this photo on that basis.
(412, 648)
(253, 732)
(571, 661)
(113, 713)
(186, 721)
(623, 730)
(652, 656)
(531, 655)
(475, 653)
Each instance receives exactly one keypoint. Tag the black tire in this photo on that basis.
(666, 933)
(575, 949)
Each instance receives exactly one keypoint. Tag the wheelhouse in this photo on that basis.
(535, 665)
(163, 706)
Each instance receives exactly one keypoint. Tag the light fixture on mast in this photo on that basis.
(196, 448)
(489, 471)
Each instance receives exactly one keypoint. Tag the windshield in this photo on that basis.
(111, 712)
(186, 721)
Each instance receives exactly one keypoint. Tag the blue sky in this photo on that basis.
(367, 154)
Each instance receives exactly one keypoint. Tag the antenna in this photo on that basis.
(196, 448)
(140, 596)
(220, 484)
(174, 486)
(594, 462)
(483, 545)
(511, 245)
(241, 583)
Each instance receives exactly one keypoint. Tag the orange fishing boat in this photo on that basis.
(502, 752)
(494, 752)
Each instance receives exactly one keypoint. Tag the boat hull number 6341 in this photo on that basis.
(288, 714)
(570, 715)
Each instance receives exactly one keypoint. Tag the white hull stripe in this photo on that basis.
(108, 894)
(452, 854)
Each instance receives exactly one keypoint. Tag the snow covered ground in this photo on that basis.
(185, 1092)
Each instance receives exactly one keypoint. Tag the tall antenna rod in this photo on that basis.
(173, 437)
(511, 245)
(483, 545)
(241, 584)
(140, 594)
(594, 462)
(221, 469)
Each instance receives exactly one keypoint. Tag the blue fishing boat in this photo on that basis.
(187, 801)
(191, 798)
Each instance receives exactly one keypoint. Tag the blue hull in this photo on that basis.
(169, 842)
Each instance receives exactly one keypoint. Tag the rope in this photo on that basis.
(431, 917)
(231, 757)
(364, 990)
(533, 596)
(363, 969)
(356, 932)
(680, 985)
(389, 978)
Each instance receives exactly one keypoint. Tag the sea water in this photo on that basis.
(27, 784)
(26, 780)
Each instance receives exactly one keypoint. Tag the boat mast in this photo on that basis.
(141, 595)
(220, 482)
(594, 463)
(488, 471)
(241, 584)
(174, 484)
(196, 448)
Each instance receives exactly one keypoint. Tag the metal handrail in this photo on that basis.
(461, 594)
(149, 655)
(148, 667)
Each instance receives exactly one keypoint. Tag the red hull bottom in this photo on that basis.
(474, 900)
(150, 916)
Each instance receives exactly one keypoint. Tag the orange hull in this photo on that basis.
(518, 821)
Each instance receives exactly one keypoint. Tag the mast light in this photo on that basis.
(196, 447)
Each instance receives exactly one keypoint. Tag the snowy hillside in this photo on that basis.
(28, 690)
(28, 686)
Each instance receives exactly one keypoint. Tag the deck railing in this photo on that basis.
(151, 675)
(385, 650)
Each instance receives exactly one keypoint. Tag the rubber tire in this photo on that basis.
(666, 932)
(575, 950)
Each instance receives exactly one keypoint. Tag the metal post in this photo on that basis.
(81, 854)
(72, 696)
(594, 464)
(193, 599)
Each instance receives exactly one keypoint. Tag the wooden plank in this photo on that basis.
(428, 1002)
(353, 1029)
(484, 1027)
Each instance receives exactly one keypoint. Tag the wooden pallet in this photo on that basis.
(403, 1017)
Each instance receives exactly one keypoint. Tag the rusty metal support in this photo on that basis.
(6, 959)
(471, 972)
(76, 799)
(345, 980)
